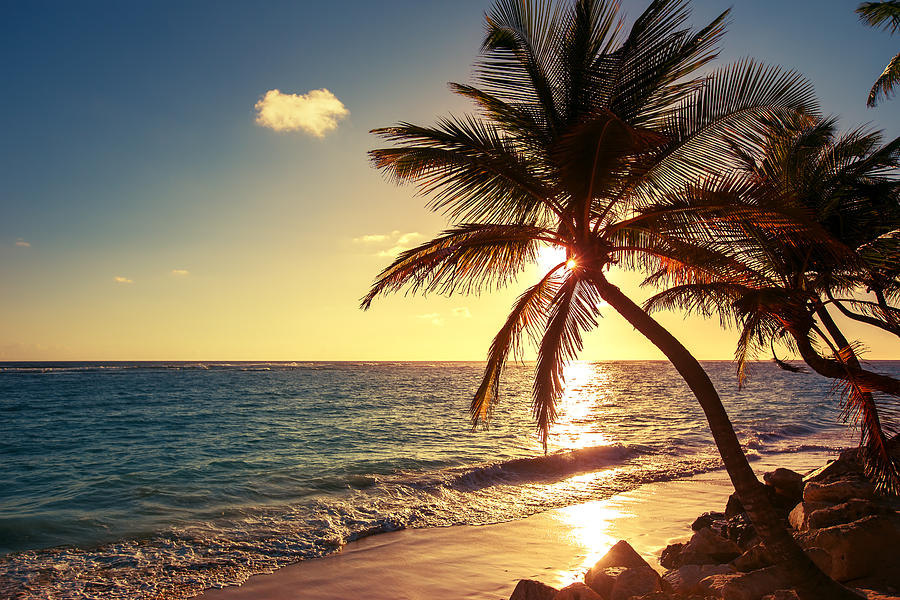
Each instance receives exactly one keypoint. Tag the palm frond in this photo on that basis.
(884, 85)
(464, 259)
(572, 311)
(471, 171)
(885, 14)
(528, 314)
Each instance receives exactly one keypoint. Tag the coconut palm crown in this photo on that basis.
(844, 197)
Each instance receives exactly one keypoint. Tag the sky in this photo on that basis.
(189, 180)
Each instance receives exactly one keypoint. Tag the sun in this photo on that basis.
(550, 256)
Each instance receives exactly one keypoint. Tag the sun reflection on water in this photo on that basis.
(579, 409)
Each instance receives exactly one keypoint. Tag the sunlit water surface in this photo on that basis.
(147, 480)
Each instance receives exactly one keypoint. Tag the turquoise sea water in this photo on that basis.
(148, 480)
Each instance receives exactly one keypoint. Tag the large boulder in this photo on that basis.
(686, 580)
(833, 470)
(635, 581)
(849, 511)
(706, 547)
(621, 555)
(788, 484)
(529, 589)
(859, 549)
(782, 595)
(577, 591)
(745, 586)
(838, 491)
(740, 530)
(799, 517)
(713, 520)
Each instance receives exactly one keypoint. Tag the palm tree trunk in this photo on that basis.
(808, 580)
(836, 370)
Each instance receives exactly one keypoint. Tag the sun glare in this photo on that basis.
(550, 256)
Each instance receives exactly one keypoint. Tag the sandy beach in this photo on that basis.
(555, 547)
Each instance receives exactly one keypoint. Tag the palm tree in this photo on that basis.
(884, 14)
(843, 201)
(580, 124)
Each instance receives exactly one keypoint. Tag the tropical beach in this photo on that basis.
(612, 316)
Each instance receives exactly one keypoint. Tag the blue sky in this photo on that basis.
(130, 151)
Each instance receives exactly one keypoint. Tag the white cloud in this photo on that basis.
(375, 237)
(120, 279)
(462, 311)
(399, 241)
(317, 112)
(180, 272)
(435, 318)
(22, 243)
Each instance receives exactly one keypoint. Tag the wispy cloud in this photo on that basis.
(317, 112)
(398, 241)
(180, 272)
(120, 279)
(22, 243)
(435, 318)
(463, 312)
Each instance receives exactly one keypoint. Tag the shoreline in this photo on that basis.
(487, 561)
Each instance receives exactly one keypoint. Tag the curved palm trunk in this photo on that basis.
(808, 580)
(837, 370)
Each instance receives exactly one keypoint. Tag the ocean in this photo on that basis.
(158, 480)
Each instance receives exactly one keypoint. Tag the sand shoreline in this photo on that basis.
(486, 561)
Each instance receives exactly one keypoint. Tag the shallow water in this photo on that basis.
(134, 480)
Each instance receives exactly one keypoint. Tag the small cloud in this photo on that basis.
(317, 112)
(400, 242)
(462, 312)
(435, 318)
(120, 279)
(369, 239)
(22, 243)
(180, 272)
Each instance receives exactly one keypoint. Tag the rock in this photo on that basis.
(740, 530)
(705, 547)
(686, 579)
(799, 517)
(529, 589)
(753, 559)
(820, 557)
(786, 482)
(621, 555)
(603, 580)
(859, 549)
(670, 558)
(745, 586)
(734, 507)
(708, 519)
(838, 491)
(577, 591)
(635, 581)
(833, 470)
(849, 511)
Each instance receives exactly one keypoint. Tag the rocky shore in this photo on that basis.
(845, 526)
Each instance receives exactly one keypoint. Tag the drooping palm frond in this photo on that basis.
(465, 259)
(528, 315)
(573, 310)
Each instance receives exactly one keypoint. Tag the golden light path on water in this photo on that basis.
(595, 526)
